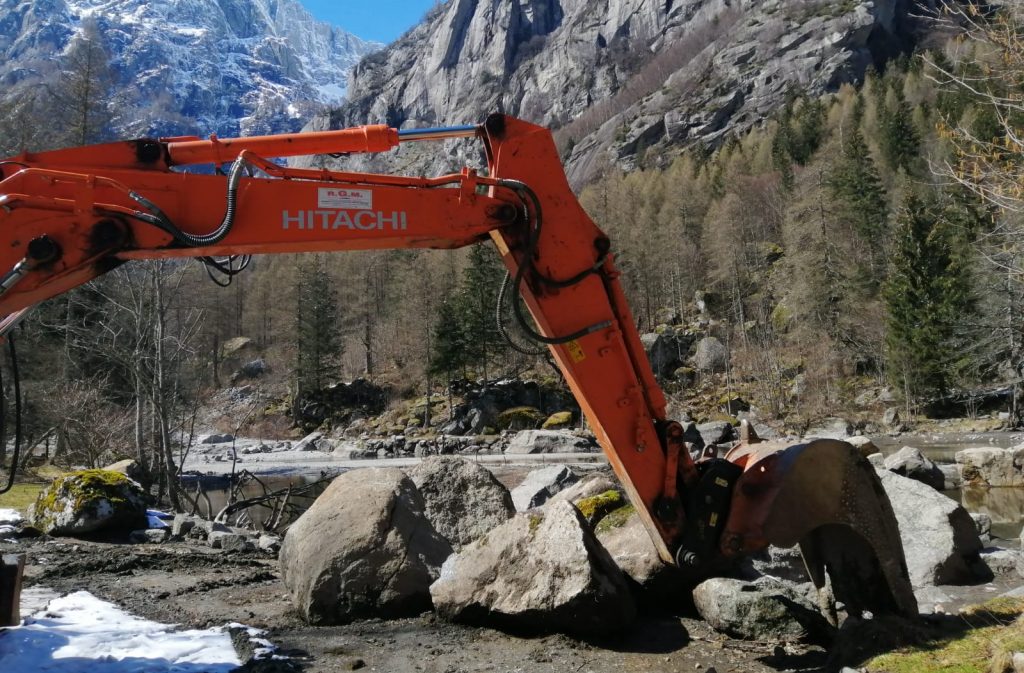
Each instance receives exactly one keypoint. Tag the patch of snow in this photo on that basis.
(332, 92)
(190, 32)
(80, 633)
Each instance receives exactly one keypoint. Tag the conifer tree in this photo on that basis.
(318, 341)
(926, 296)
(857, 189)
(82, 93)
(448, 348)
(781, 159)
(899, 140)
(478, 298)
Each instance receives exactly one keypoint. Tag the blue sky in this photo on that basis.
(381, 20)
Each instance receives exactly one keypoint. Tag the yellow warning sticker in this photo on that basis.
(721, 482)
(575, 351)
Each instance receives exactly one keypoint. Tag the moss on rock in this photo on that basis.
(90, 501)
(561, 419)
(597, 507)
(520, 418)
(616, 519)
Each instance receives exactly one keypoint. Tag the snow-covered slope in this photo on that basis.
(191, 66)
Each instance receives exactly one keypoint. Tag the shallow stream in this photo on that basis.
(1004, 505)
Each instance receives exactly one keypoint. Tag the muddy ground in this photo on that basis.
(195, 586)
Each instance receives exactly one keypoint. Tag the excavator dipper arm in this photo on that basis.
(69, 216)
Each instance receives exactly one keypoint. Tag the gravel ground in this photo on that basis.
(194, 586)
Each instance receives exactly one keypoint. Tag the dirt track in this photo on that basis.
(197, 587)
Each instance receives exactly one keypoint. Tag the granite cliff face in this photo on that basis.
(190, 66)
(615, 77)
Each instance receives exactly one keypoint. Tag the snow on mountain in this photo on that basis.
(191, 66)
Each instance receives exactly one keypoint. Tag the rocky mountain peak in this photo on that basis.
(229, 66)
(618, 77)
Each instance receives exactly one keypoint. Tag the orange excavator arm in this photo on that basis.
(68, 216)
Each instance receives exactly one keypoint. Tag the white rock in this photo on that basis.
(542, 571)
(363, 549)
(940, 540)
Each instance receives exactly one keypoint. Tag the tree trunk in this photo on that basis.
(159, 397)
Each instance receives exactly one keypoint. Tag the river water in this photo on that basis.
(1004, 505)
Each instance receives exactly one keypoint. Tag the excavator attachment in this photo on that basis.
(69, 216)
(826, 497)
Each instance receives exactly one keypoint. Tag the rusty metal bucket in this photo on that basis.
(826, 497)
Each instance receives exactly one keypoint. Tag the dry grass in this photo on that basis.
(992, 632)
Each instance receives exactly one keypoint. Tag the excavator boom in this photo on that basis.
(69, 216)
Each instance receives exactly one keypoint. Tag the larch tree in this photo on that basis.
(83, 89)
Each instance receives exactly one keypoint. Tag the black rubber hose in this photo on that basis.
(192, 240)
(499, 316)
(533, 238)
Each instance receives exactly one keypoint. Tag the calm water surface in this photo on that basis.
(1004, 505)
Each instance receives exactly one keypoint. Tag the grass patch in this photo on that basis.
(987, 637)
(21, 497)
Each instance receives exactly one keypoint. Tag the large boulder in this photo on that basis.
(988, 466)
(462, 499)
(309, 442)
(710, 355)
(766, 609)
(558, 421)
(217, 439)
(365, 548)
(1003, 562)
(520, 418)
(539, 485)
(659, 586)
(549, 441)
(129, 468)
(983, 524)
(540, 572)
(863, 444)
(910, 462)
(951, 476)
(665, 351)
(90, 502)
(716, 432)
(940, 540)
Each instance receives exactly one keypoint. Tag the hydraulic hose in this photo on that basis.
(160, 219)
(529, 198)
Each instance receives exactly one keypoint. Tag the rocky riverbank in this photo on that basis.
(423, 567)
